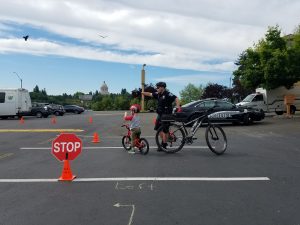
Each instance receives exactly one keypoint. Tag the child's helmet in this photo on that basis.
(135, 107)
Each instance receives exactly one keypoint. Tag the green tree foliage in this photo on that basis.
(190, 93)
(38, 96)
(151, 104)
(270, 63)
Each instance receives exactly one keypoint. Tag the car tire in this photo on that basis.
(39, 114)
(247, 119)
(56, 113)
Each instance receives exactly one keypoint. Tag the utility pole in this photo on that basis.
(19, 78)
(143, 87)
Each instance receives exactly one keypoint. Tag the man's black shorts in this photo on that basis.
(159, 123)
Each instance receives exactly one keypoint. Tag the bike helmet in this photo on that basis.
(161, 84)
(135, 107)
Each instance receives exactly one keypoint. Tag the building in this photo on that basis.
(104, 89)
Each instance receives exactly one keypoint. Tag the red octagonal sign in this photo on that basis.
(66, 147)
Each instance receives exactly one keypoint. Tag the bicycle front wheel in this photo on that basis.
(144, 146)
(126, 142)
(175, 139)
(216, 139)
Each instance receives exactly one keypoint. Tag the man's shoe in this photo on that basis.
(159, 149)
(131, 151)
(164, 145)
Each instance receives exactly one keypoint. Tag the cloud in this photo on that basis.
(193, 79)
(191, 34)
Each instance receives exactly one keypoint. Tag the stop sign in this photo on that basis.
(66, 147)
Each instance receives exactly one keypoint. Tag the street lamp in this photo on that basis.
(143, 86)
(19, 78)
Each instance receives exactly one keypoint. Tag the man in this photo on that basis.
(164, 107)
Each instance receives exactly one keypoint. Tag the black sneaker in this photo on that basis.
(159, 149)
(164, 145)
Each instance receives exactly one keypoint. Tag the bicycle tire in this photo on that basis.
(216, 139)
(175, 143)
(145, 149)
(126, 142)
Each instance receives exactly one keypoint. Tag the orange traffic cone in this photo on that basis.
(96, 138)
(91, 120)
(22, 120)
(66, 172)
(53, 120)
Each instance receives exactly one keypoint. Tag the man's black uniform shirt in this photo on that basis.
(165, 101)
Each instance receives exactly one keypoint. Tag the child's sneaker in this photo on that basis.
(131, 151)
(136, 149)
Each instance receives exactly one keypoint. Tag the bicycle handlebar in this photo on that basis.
(126, 126)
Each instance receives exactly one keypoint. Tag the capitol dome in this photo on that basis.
(104, 89)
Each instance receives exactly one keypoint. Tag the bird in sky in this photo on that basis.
(102, 36)
(26, 37)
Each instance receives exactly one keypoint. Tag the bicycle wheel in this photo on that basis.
(216, 139)
(126, 142)
(175, 139)
(144, 146)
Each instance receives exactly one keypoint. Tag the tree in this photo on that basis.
(270, 63)
(239, 92)
(216, 91)
(36, 89)
(190, 93)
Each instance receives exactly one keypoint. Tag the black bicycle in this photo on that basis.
(179, 135)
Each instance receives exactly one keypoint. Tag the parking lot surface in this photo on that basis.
(256, 181)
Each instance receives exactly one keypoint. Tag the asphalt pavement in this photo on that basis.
(256, 181)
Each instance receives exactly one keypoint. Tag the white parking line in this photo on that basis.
(113, 179)
(103, 147)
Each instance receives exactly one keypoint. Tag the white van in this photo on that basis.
(273, 100)
(14, 102)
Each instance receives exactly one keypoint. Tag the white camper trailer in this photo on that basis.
(14, 102)
(273, 100)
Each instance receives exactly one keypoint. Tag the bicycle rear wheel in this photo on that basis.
(126, 142)
(175, 139)
(144, 146)
(216, 139)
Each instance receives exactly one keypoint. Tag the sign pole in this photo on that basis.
(66, 147)
(143, 87)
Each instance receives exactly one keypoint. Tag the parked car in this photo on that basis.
(73, 109)
(57, 110)
(224, 111)
(40, 110)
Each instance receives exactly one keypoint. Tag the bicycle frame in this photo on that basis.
(179, 135)
(197, 123)
(137, 142)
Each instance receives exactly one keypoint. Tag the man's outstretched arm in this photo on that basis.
(149, 94)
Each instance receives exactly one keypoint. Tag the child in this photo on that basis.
(135, 124)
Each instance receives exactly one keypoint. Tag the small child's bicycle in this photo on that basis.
(140, 143)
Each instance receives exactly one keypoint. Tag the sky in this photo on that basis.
(76, 45)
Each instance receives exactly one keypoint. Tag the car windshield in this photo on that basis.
(249, 98)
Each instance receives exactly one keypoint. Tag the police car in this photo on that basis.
(223, 111)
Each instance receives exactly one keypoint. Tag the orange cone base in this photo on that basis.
(67, 179)
(66, 172)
